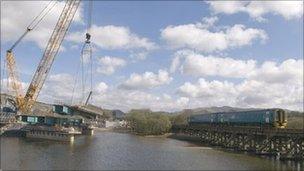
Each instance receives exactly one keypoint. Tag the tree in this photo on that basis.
(146, 122)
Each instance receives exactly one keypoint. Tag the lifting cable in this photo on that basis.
(89, 24)
(34, 23)
(86, 54)
(89, 31)
(88, 41)
(75, 82)
(42, 15)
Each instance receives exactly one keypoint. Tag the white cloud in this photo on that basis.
(246, 94)
(207, 22)
(239, 35)
(207, 89)
(263, 88)
(6, 86)
(63, 87)
(101, 87)
(60, 77)
(58, 88)
(258, 9)
(16, 15)
(255, 93)
(270, 85)
(146, 80)
(114, 37)
(107, 65)
(198, 37)
(290, 70)
(192, 63)
(228, 7)
(182, 101)
(139, 55)
(135, 99)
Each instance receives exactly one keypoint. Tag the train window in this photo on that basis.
(267, 120)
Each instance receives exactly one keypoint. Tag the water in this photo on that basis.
(109, 150)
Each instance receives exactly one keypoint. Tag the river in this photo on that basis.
(110, 150)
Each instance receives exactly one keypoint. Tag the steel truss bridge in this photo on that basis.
(286, 144)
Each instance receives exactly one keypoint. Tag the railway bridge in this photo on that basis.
(285, 144)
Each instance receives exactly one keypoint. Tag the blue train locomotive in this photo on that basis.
(267, 117)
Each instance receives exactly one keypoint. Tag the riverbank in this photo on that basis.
(102, 129)
(128, 131)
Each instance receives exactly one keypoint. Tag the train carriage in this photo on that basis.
(268, 117)
(208, 118)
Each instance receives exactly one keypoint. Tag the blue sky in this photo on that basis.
(213, 68)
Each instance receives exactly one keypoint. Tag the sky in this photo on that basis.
(166, 55)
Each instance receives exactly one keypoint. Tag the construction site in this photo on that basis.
(22, 115)
(151, 85)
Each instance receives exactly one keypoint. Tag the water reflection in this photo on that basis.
(108, 150)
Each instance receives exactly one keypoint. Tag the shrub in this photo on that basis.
(146, 122)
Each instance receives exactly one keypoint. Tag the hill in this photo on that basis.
(213, 109)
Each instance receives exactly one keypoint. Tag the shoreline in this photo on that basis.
(128, 131)
(171, 135)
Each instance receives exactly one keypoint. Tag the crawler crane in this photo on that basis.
(24, 103)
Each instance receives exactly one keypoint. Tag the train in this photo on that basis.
(259, 118)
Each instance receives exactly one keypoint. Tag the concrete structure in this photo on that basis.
(58, 136)
(51, 132)
(91, 114)
(50, 117)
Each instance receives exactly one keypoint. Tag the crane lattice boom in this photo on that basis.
(50, 52)
(13, 77)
